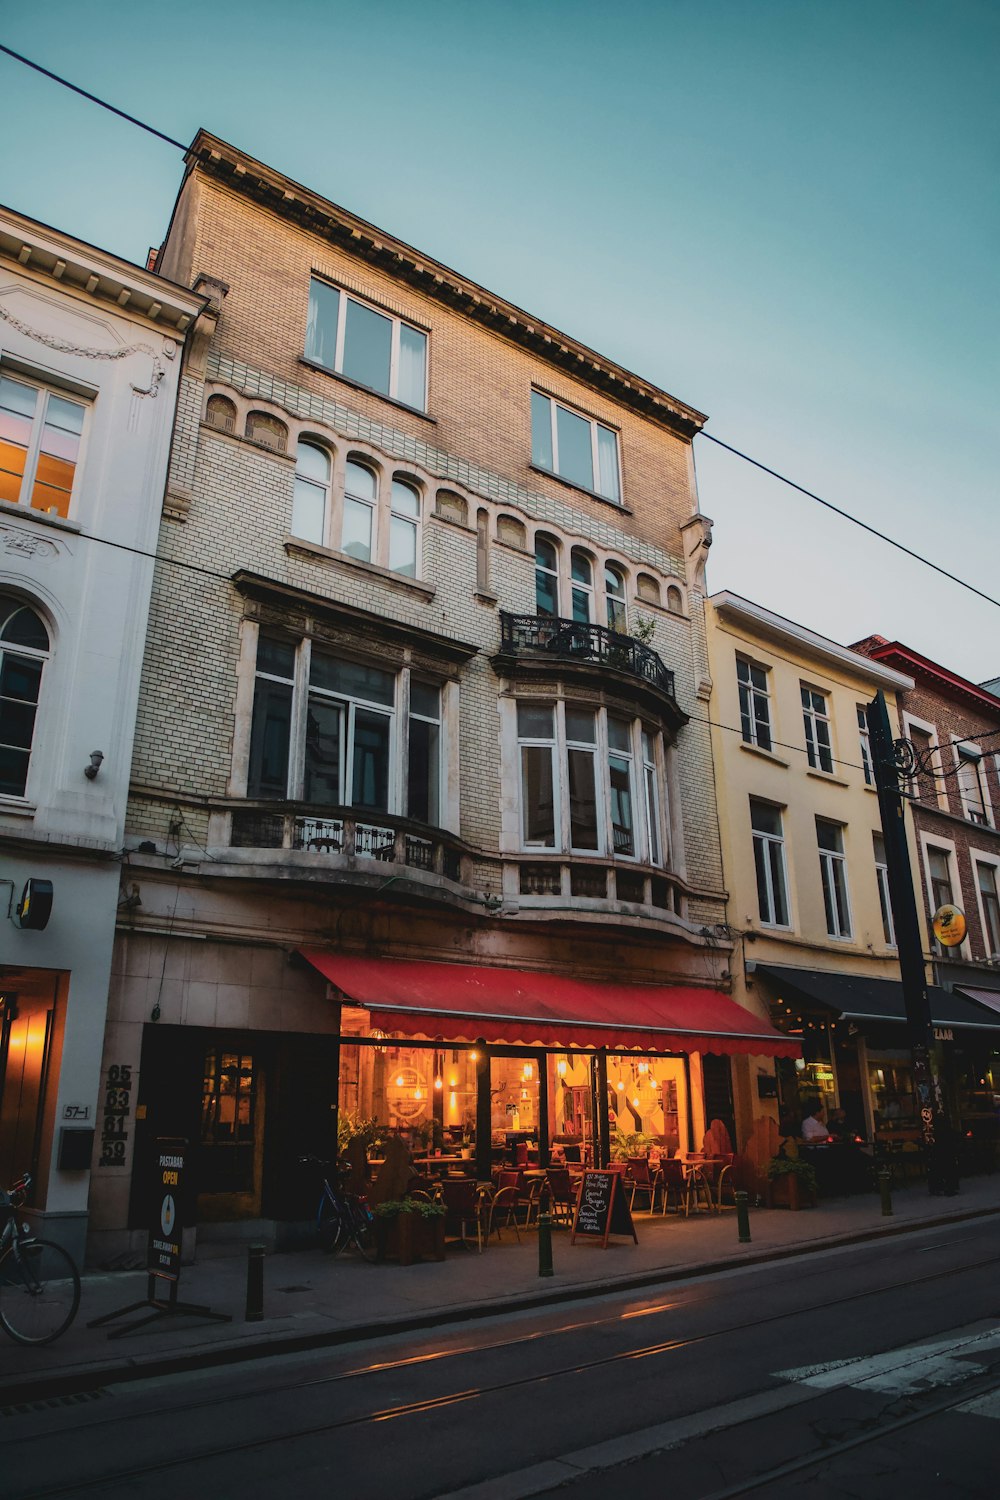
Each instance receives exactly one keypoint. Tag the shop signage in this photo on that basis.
(163, 1255)
(949, 926)
(943, 1034)
(601, 1209)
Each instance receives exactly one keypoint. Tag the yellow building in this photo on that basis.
(804, 862)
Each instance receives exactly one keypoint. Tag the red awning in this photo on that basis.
(466, 1003)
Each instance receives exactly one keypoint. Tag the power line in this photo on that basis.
(94, 98)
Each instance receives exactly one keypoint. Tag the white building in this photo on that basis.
(89, 357)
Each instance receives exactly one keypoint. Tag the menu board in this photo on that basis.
(601, 1209)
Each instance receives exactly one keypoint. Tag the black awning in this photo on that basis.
(859, 998)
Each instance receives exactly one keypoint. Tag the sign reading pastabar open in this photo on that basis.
(601, 1210)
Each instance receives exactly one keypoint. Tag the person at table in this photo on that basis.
(837, 1126)
(814, 1127)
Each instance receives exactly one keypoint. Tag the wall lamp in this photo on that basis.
(96, 756)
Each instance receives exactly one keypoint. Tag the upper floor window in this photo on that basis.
(574, 447)
(24, 649)
(311, 498)
(39, 446)
(614, 597)
(755, 704)
(588, 782)
(391, 540)
(374, 348)
(864, 742)
(546, 576)
(816, 721)
(582, 580)
(833, 872)
(942, 891)
(989, 900)
(360, 501)
(404, 521)
(970, 785)
(769, 864)
(882, 881)
(328, 731)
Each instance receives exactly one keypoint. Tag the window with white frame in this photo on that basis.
(816, 721)
(374, 348)
(311, 494)
(40, 434)
(940, 884)
(833, 873)
(328, 731)
(989, 901)
(864, 742)
(546, 576)
(769, 864)
(882, 881)
(970, 784)
(360, 507)
(614, 598)
(404, 527)
(390, 539)
(581, 586)
(575, 447)
(24, 650)
(755, 704)
(580, 789)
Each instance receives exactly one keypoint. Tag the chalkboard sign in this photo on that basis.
(601, 1209)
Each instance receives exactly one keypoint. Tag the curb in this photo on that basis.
(91, 1377)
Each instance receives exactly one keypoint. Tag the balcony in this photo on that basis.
(543, 644)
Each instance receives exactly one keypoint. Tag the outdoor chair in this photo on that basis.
(673, 1183)
(464, 1207)
(562, 1194)
(502, 1213)
(641, 1179)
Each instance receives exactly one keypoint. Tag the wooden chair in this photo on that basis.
(503, 1213)
(462, 1201)
(673, 1183)
(563, 1195)
(641, 1178)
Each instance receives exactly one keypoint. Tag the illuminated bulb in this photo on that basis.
(636, 1102)
(438, 1083)
(474, 1056)
(399, 1081)
(644, 1067)
(527, 1072)
(453, 1083)
(620, 1087)
(418, 1094)
(561, 1066)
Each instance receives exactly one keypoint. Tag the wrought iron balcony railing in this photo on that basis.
(572, 640)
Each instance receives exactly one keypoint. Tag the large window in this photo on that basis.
(614, 598)
(371, 528)
(833, 873)
(39, 446)
(371, 347)
(970, 785)
(769, 864)
(311, 496)
(327, 731)
(882, 880)
(755, 704)
(24, 649)
(589, 782)
(546, 576)
(989, 900)
(574, 447)
(816, 722)
(941, 888)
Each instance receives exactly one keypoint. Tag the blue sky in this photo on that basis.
(785, 212)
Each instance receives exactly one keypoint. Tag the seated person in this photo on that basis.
(837, 1126)
(813, 1127)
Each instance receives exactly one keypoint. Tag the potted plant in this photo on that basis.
(409, 1229)
(791, 1183)
(353, 1127)
(628, 1143)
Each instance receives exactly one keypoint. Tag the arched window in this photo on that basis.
(647, 587)
(360, 500)
(614, 591)
(24, 649)
(582, 576)
(546, 576)
(263, 428)
(220, 413)
(310, 502)
(404, 528)
(675, 599)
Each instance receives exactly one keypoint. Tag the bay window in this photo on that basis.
(581, 787)
(374, 348)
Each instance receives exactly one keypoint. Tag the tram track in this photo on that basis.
(463, 1395)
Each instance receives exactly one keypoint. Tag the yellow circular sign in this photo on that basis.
(949, 926)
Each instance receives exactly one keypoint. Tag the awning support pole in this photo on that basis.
(603, 1124)
(484, 1120)
(542, 1064)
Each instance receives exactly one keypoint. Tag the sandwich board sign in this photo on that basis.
(601, 1209)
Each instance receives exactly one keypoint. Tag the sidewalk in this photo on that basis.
(311, 1301)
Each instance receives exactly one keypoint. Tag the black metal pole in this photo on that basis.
(542, 1064)
(603, 1127)
(484, 1121)
(941, 1177)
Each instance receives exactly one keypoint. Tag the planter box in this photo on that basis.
(789, 1191)
(410, 1237)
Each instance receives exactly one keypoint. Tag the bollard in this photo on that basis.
(742, 1217)
(885, 1188)
(255, 1283)
(545, 1237)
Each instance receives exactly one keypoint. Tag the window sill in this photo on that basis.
(369, 390)
(248, 442)
(25, 512)
(826, 776)
(581, 489)
(764, 754)
(485, 597)
(17, 807)
(340, 560)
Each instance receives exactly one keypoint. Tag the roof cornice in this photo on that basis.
(290, 200)
(84, 269)
(776, 627)
(932, 672)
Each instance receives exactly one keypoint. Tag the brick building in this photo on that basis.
(422, 810)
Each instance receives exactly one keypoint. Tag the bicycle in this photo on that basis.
(39, 1284)
(342, 1218)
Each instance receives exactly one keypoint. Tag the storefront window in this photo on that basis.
(890, 1083)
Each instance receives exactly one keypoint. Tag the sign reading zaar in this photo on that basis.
(949, 926)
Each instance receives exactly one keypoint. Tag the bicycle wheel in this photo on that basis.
(333, 1233)
(39, 1291)
(363, 1231)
